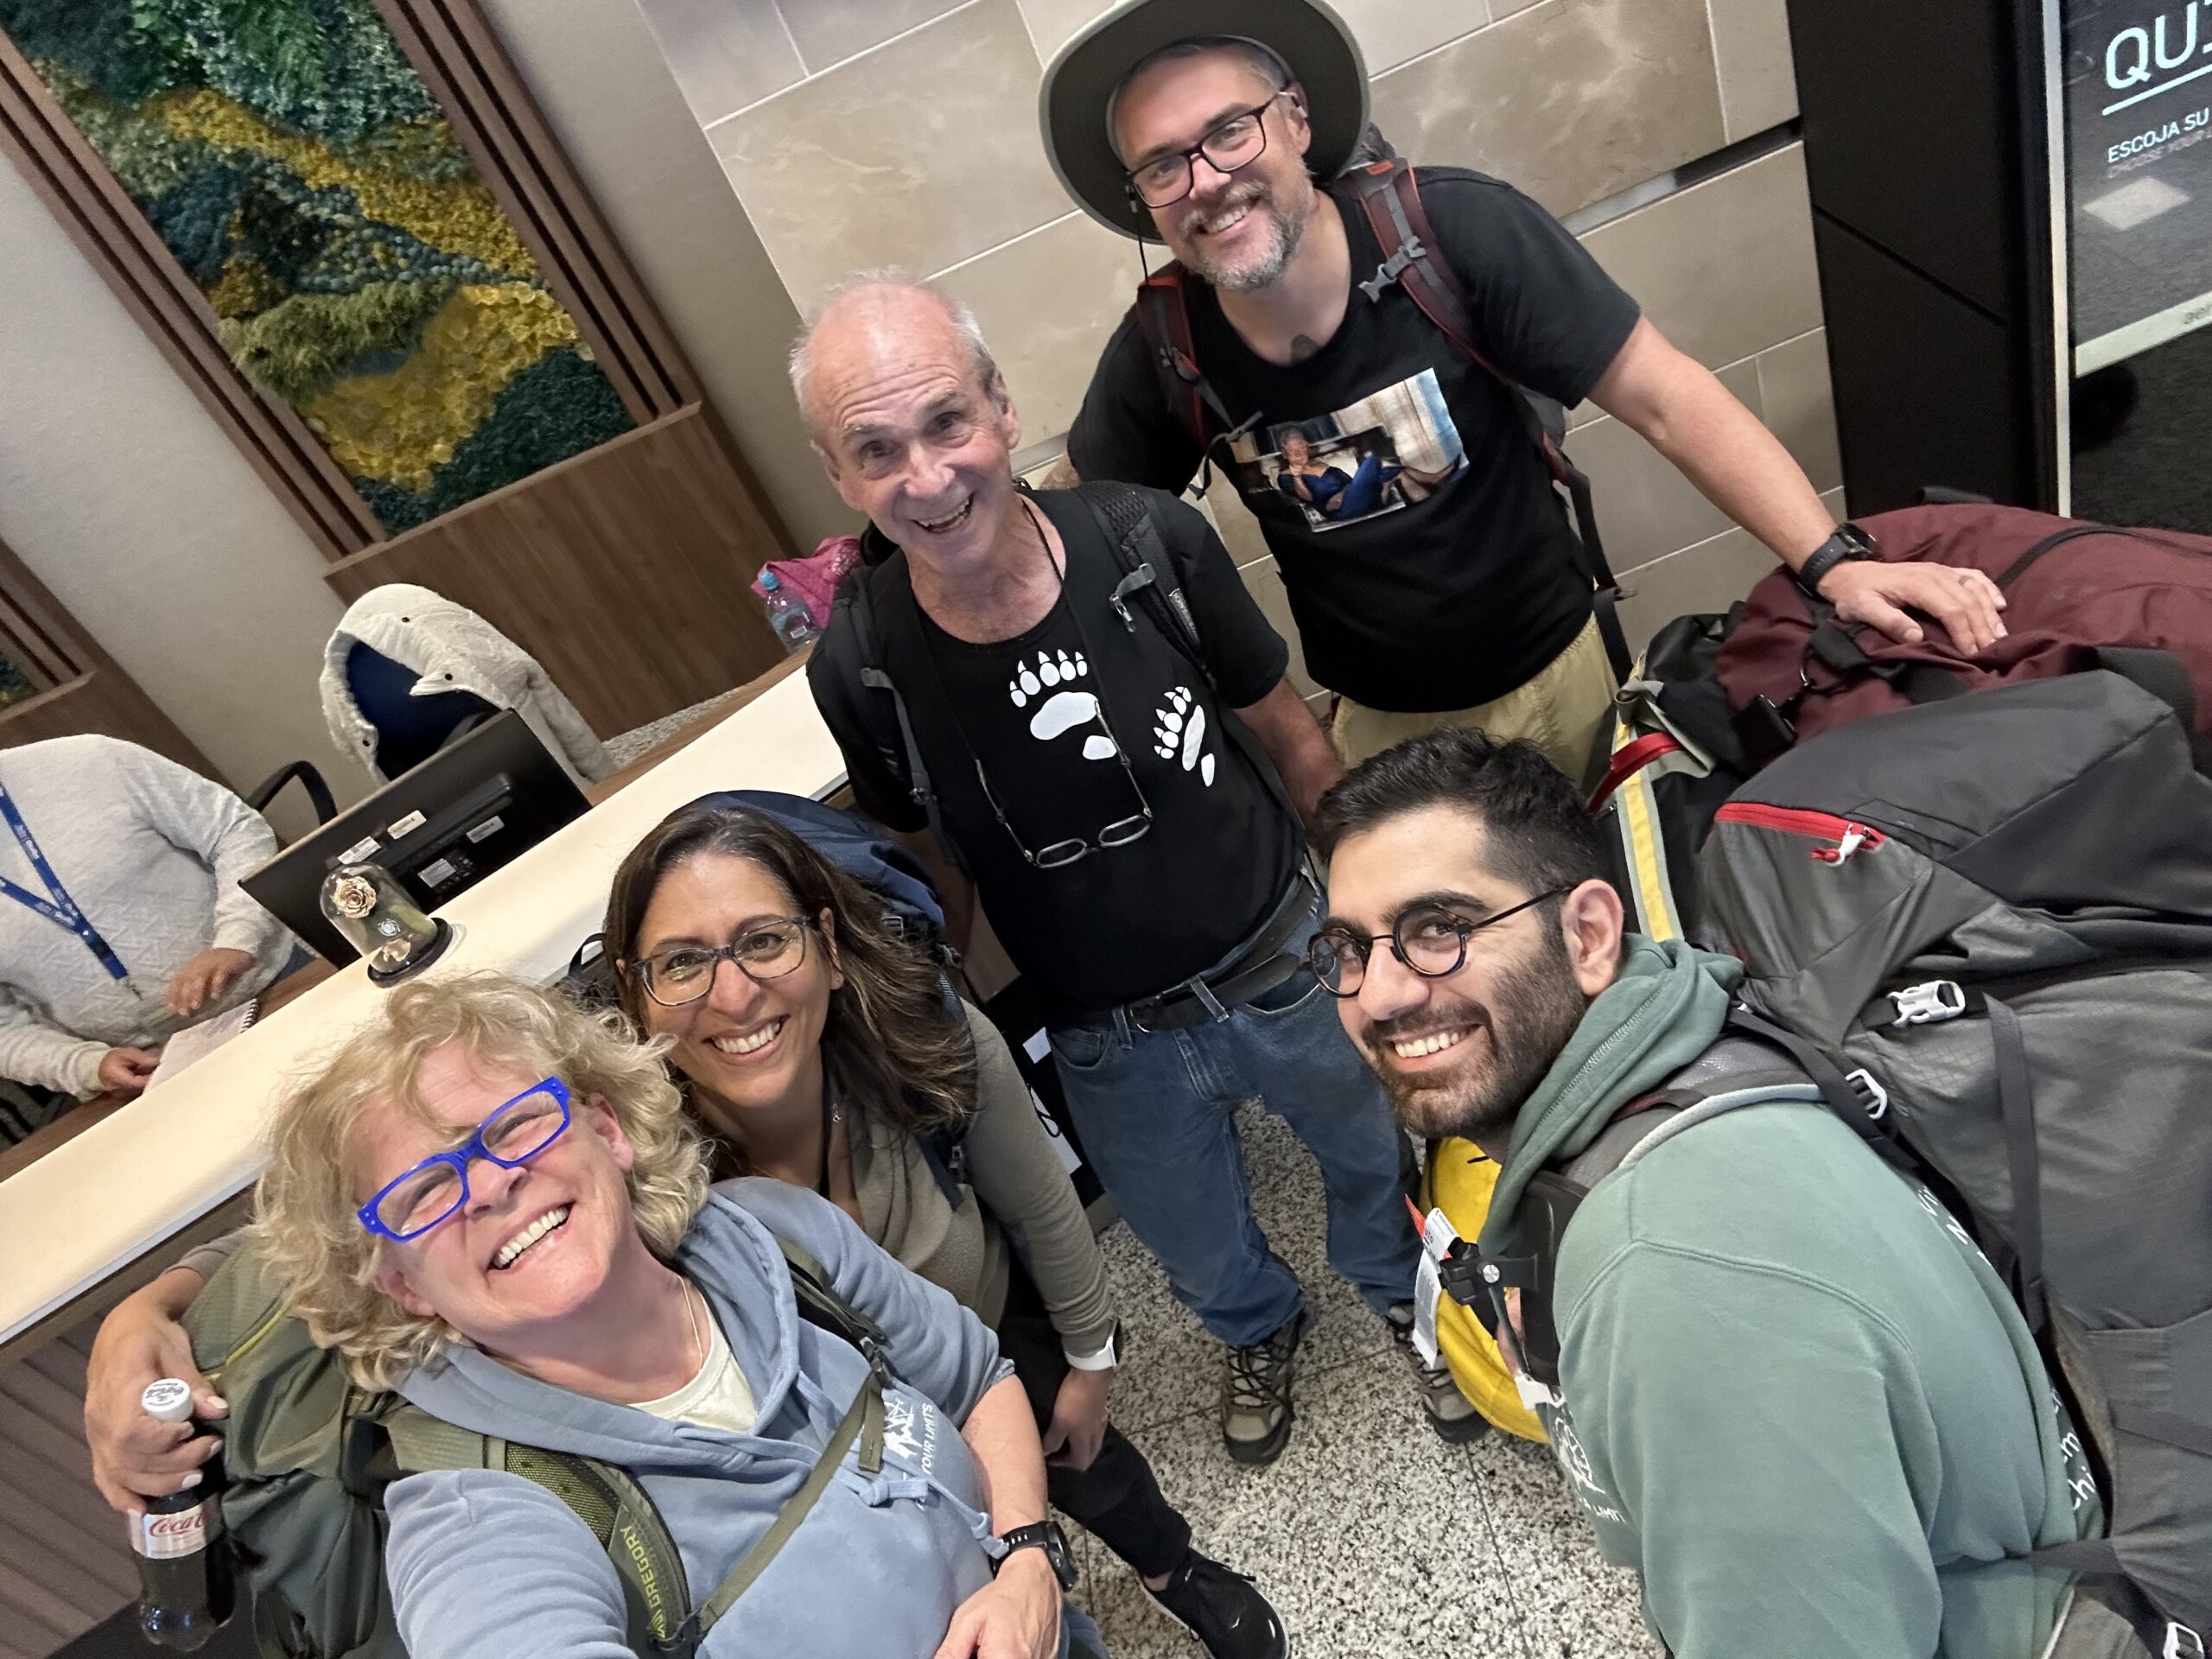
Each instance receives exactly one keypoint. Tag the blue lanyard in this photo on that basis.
(61, 909)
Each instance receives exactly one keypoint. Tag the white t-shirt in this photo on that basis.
(717, 1397)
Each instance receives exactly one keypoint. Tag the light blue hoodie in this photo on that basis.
(482, 1562)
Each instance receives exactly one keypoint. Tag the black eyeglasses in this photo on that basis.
(1429, 939)
(683, 973)
(1237, 142)
(1120, 832)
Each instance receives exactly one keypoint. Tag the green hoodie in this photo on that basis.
(1798, 1399)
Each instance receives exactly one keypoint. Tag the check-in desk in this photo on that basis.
(110, 1207)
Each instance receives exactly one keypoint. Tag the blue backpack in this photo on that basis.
(863, 851)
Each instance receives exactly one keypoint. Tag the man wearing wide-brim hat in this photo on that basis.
(1397, 476)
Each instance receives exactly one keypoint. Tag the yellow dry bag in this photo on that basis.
(1458, 1181)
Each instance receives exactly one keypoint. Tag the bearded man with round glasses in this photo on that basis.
(1790, 1395)
(1229, 130)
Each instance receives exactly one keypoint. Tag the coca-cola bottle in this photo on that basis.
(184, 1572)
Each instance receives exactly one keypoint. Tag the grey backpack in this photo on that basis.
(1988, 923)
(1982, 932)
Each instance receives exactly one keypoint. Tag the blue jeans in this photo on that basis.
(1154, 1112)
(1076, 1628)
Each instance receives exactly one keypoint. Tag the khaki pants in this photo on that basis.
(1562, 711)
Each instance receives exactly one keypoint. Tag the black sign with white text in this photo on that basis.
(2139, 119)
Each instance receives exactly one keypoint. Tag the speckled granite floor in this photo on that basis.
(1372, 1536)
(629, 745)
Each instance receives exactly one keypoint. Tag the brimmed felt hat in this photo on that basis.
(1308, 36)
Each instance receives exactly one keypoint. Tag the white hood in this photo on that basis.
(452, 649)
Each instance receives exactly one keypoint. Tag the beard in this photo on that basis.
(1286, 229)
(1534, 1007)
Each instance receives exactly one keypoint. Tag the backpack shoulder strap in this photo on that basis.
(1125, 517)
(1164, 319)
(1390, 197)
(622, 1516)
(1130, 521)
(900, 750)
(1732, 1074)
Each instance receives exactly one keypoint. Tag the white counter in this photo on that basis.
(101, 1200)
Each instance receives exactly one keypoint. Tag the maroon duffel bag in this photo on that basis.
(2078, 596)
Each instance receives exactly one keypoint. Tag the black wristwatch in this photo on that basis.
(1047, 1537)
(1848, 543)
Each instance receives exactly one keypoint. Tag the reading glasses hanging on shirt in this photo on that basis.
(1059, 854)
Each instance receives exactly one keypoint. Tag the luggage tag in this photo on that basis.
(1437, 1237)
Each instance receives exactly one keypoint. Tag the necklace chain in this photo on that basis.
(691, 1299)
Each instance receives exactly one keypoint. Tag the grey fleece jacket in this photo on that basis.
(151, 851)
(1027, 1202)
(484, 1562)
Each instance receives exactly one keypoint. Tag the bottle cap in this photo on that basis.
(169, 1399)
(769, 582)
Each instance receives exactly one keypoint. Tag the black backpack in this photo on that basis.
(1127, 517)
(1981, 930)
(1390, 197)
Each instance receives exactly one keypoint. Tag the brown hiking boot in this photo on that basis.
(1255, 1409)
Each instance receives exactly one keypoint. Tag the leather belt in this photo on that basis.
(1252, 970)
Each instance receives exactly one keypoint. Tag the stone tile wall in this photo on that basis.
(866, 133)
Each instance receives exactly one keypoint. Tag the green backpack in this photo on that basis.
(307, 1455)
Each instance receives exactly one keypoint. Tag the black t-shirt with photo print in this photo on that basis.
(1427, 558)
(1040, 724)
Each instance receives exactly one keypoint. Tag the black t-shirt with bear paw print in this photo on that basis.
(1049, 716)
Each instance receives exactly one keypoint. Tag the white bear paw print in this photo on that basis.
(1065, 708)
(1183, 726)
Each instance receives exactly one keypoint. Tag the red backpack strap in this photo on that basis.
(1390, 195)
(1164, 316)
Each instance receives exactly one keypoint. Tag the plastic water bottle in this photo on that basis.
(787, 613)
(184, 1571)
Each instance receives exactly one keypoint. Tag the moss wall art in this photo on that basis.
(295, 164)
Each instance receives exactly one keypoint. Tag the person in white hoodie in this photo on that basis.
(121, 918)
(452, 652)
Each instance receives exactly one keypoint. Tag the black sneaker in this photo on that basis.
(1255, 1382)
(1224, 1609)
(1450, 1413)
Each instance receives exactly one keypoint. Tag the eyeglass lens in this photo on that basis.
(515, 1134)
(1432, 942)
(685, 973)
(1237, 142)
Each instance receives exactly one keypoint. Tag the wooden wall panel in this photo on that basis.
(65, 1556)
(106, 701)
(624, 570)
(80, 688)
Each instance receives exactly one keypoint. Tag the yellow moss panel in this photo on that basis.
(452, 215)
(400, 427)
(245, 288)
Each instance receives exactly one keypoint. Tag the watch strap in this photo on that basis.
(1848, 543)
(1047, 1537)
(1105, 1358)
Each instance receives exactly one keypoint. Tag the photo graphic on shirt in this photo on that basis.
(1389, 450)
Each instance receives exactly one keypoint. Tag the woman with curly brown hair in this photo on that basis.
(819, 1046)
(816, 1046)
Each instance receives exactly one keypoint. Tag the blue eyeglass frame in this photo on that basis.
(459, 1159)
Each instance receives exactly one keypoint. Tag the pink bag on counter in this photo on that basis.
(815, 579)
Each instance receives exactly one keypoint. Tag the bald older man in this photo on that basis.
(1099, 749)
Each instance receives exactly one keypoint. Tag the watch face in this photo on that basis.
(1056, 1551)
